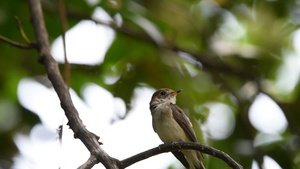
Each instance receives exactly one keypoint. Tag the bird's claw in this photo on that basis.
(174, 145)
(159, 147)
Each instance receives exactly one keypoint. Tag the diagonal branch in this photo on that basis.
(89, 139)
(175, 146)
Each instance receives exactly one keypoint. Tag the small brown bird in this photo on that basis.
(172, 125)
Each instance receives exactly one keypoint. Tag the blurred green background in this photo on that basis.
(221, 51)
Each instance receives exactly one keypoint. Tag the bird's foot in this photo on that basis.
(174, 145)
(159, 147)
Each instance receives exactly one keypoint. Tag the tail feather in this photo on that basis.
(194, 158)
(180, 156)
(201, 164)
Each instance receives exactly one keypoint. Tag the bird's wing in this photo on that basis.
(184, 122)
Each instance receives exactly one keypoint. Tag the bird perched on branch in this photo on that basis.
(172, 125)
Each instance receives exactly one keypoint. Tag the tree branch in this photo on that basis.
(89, 139)
(175, 146)
(89, 163)
(16, 44)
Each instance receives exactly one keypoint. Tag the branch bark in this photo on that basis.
(89, 139)
(175, 146)
(89, 163)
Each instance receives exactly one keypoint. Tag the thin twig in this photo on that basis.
(16, 44)
(64, 28)
(21, 30)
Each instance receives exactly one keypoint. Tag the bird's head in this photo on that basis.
(164, 95)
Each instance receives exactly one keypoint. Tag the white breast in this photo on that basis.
(166, 126)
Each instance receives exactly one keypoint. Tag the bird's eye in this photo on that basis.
(163, 93)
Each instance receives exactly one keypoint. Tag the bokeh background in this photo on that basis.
(237, 63)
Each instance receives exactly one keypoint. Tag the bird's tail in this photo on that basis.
(199, 161)
(194, 158)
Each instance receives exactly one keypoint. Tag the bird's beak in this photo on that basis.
(176, 92)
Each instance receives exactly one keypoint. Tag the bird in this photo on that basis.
(172, 125)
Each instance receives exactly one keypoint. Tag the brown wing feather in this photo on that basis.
(184, 122)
